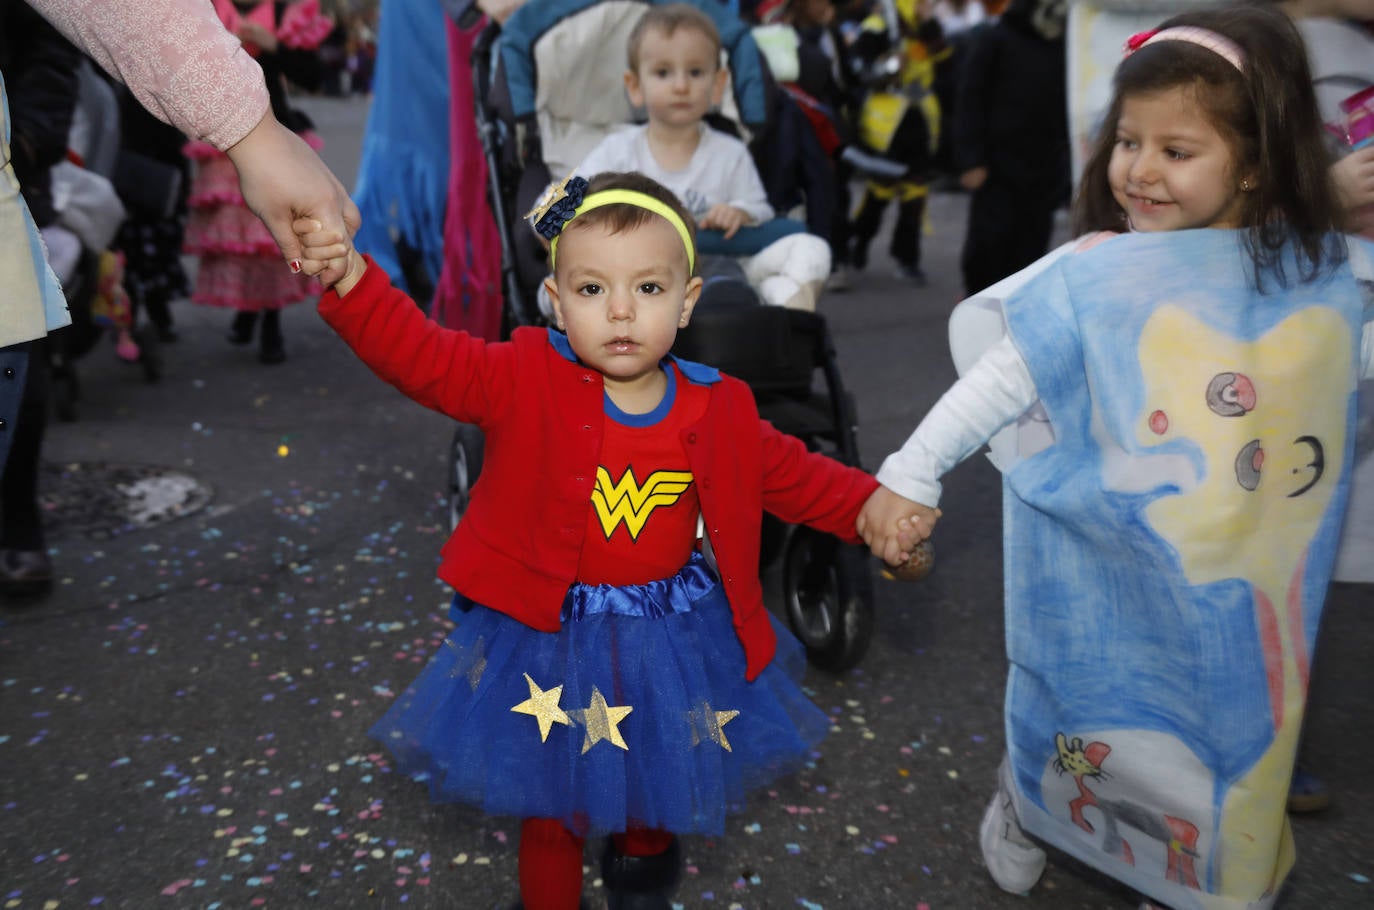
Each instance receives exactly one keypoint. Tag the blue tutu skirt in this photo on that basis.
(636, 713)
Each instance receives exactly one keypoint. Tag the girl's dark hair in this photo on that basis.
(1267, 115)
(622, 216)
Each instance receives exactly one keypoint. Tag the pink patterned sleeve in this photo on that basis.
(175, 56)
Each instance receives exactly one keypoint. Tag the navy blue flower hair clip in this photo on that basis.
(558, 204)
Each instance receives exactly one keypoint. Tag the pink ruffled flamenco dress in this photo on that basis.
(240, 265)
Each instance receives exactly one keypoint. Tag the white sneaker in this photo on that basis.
(1014, 862)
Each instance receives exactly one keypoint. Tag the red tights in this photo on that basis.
(550, 866)
(551, 861)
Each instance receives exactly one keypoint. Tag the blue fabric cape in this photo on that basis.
(1167, 555)
(402, 184)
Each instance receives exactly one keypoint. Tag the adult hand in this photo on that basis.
(282, 180)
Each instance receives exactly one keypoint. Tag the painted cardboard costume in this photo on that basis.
(1168, 549)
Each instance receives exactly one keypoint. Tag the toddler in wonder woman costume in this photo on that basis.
(603, 678)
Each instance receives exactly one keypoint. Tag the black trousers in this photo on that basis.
(1009, 227)
(21, 522)
(906, 233)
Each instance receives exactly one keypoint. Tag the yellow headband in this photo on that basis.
(640, 200)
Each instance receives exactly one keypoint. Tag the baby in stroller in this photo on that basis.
(675, 76)
(571, 111)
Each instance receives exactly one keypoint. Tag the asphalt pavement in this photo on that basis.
(246, 558)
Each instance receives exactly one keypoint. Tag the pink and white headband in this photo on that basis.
(1217, 44)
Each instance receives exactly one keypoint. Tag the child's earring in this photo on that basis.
(1245, 185)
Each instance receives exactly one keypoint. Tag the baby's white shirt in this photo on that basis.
(721, 171)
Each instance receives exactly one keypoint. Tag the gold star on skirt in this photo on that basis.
(710, 725)
(542, 705)
(600, 721)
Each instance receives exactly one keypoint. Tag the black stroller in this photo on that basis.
(827, 587)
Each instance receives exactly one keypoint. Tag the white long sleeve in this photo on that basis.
(995, 391)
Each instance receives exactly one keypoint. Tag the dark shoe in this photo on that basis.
(241, 332)
(272, 352)
(858, 256)
(1307, 793)
(25, 573)
(166, 334)
(641, 882)
(912, 274)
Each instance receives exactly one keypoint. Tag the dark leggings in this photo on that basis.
(21, 522)
(906, 233)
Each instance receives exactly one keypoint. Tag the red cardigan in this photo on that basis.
(517, 547)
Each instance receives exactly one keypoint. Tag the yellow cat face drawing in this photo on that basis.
(1075, 759)
(1270, 418)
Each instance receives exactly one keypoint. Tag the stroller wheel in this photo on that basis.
(464, 464)
(828, 592)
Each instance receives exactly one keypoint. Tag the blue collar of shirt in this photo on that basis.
(695, 373)
(664, 407)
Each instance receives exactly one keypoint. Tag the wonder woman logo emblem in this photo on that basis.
(627, 501)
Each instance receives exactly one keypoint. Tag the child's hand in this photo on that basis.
(973, 178)
(1353, 177)
(324, 249)
(725, 218)
(892, 525)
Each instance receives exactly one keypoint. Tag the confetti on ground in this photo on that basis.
(195, 698)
